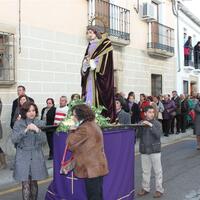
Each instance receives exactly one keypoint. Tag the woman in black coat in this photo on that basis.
(48, 115)
(197, 56)
(188, 48)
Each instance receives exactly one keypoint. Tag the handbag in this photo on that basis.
(186, 51)
(68, 165)
(173, 114)
(160, 116)
(192, 114)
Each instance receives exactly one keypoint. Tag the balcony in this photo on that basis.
(160, 40)
(192, 62)
(114, 19)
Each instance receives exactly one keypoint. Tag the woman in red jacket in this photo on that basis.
(142, 104)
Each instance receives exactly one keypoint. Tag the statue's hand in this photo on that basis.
(85, 66)
(87, 58)
(92, 64)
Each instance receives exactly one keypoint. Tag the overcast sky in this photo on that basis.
(193, 6)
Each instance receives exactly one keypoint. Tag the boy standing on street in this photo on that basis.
(150, 149)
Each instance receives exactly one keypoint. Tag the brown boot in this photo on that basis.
(3, 161)
(142, 193)
(157, 194)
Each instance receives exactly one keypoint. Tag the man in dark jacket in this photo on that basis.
(177, 117)
(184, 112)
(122, 116)
(150, 149)
(20, 91)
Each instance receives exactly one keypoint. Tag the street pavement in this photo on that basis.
(181, 168)
(6, 175)
(181, 171)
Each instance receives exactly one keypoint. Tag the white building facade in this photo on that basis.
(188, 73)
(43, 43)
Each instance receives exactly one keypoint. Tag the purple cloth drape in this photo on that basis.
(118, 184)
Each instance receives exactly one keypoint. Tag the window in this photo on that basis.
(185, 87)
(7, 58)
(156, 84)
(156, 9)
(111, 18)
(193, 88)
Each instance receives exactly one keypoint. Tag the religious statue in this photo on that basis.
(97, 72)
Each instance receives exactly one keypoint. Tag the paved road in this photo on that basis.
(181, 166)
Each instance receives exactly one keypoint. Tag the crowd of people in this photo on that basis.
(175, 113)
(163, 115)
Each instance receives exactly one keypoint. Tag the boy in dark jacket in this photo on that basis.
(150, 149)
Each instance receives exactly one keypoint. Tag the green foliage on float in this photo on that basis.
(68, 122)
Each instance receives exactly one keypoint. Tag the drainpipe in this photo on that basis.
(19, 12)
(176, 13)
(178, 41)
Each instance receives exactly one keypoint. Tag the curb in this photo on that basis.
(11, 184)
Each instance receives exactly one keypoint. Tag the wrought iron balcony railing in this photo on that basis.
(189, 59)
(7, 58)
(192, 59)
(115, 18)
(160, 40)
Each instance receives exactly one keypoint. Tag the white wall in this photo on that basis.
(192, 29)
(53, 45)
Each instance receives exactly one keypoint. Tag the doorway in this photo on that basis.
(193, 88)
